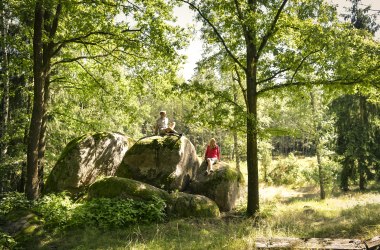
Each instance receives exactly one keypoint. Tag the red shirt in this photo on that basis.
(212, 152)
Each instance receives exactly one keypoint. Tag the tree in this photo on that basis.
(72, 31)
(357, 134)
(355, 115)
(276, 44)
(4, 79)
(360, 18)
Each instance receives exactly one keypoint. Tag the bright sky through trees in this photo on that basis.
(194, 51)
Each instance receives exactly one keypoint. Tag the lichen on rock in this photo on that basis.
(85, 159)
(222, 186)
(178, 204)
(167, 162)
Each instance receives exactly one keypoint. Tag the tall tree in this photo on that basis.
(357, 136)
(361, 18)
(354, 123)
(4, 79)
(276, 44)
(71, 32)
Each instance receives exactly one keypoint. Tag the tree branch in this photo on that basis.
(273, 76)
(217, 34)
(93, 77)
(80, 38)
(271, 29)
(240, 16)
(342, 81)
(302, 61)
(238, 80)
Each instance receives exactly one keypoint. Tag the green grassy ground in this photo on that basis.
(284, 213)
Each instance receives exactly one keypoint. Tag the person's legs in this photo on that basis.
(210, 162)
(172, 125)
(171, 131)
(208, 165)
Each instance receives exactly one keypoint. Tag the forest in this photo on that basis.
(290, 90)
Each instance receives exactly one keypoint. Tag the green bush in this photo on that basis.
(113, 213)
(13, 200)
(55, 209)
(6, 241)
(59, 211)
(285, 171)
(330, 170)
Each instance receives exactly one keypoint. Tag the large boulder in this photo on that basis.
(168, 162)
(222, 186)
(123, 188)
(178, 204)
(85, 159)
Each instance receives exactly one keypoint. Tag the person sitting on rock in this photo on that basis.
(212, 155)
(163, 127)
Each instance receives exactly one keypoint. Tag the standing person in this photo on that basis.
(163, 126)
(212, 155)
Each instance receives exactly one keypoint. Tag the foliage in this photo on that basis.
(59, 211)
(285, 213)
(13, 200)
(302, 172)
(111, 213)
(357, 137)
(331, 174)
(360, 18)
(286, 171)
(6, 241)
(56, 209)
(10, 175)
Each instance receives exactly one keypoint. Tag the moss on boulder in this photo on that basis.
(117, 187)
(167, 162)
(191, 205)
(85, 159)
(178, 204)
(222, 186)
(23, 225)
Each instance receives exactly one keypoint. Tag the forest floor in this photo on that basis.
(284, 212)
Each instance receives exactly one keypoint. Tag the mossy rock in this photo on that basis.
(117, 187)
(192, 205)
(85, 159)
(178, 204)
(23, 225)
(167, 162)
(222, 186)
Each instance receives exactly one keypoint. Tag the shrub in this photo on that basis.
(113, 213)
(56, 209)
(285, 171)
(13, 200)
(60, 211)
(6, 241)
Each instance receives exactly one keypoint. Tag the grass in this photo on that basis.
(284, 213)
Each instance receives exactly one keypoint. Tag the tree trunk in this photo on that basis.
(347, 166)
(363, 140)
(5, 82)
(42, 54)
(252, 157)
(42, 140)
(317, 129)
(236, 145)
(32, 185)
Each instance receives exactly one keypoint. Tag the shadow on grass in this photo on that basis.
(360, 221)
(312, 193)
(177, 234)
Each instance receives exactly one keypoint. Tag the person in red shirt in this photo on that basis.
(212, 155)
